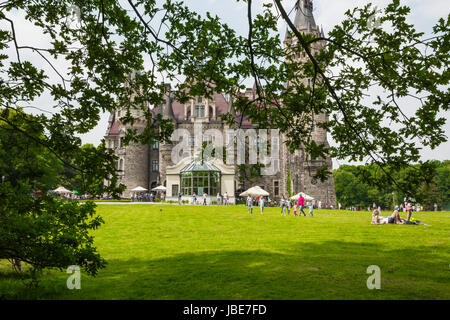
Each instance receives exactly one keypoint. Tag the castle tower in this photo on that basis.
(301, 168)
(133, 161)
(165, 149)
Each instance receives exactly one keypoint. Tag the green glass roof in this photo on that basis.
(200, 166)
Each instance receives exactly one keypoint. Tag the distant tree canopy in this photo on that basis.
(352, 187)
(86, 173)
(24, 161)
(35, 227)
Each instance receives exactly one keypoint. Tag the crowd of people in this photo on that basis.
(286, 205)
(298, 206)
(146, 197)
(221, 199)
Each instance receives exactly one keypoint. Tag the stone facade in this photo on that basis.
(146, 166)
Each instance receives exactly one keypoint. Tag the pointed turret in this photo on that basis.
(230, 108)
(304, 18)
(166, 108)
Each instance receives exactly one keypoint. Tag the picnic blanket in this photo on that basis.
(416, 222)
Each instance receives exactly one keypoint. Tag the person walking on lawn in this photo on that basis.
(261, 204)
(250, 204)
(283, 206)
(311, 209)
(301, 203)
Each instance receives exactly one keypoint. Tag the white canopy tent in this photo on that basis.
(139, 189)
(255, 192)
(62, 190)
(307, 197)
(159, 188)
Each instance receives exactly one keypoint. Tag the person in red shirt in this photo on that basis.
(301, 203)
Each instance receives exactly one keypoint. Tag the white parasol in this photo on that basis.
(307, 197)
(62, 190)
(255, 192)
(159, 188)
(139, 189)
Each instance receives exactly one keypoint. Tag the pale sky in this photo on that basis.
(328, 13)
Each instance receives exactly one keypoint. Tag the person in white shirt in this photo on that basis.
(283, 206)
(250, 204)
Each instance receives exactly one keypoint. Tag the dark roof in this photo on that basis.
(221, 107)
(114, 128)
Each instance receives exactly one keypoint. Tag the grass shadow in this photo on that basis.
(327, 270)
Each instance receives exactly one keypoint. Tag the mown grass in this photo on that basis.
(195, 252)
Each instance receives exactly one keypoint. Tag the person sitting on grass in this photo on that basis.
(376, 218)
(395, 218)
(409, 210)
(392, 219)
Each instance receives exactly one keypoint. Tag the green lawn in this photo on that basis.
(194, 252)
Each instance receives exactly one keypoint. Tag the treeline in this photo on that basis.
(353, 187)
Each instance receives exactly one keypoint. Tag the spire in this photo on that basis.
(304, 18)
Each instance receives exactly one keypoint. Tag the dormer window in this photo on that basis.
(199, 111)
(199, 99)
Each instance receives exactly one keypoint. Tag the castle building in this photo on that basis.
(180, 168)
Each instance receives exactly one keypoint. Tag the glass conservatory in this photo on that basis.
(200, 177)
